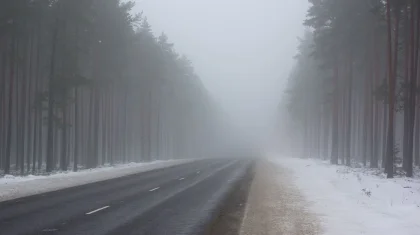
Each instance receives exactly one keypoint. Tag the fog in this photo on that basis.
(209, 117)
(242, 49)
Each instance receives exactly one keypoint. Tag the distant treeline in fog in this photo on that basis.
(85, 83)
(353, 94)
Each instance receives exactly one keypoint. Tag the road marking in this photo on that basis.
(102, 208)
(50, 230)
(151, 190)
(182, 179)
(198, 172)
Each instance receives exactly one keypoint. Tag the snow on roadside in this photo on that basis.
(12, 187)
(352, 201)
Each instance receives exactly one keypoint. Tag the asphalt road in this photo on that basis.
(173, 201)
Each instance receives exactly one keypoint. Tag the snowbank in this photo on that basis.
(354, 201)
(12, 187)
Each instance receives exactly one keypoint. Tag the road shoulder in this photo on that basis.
(275, 206)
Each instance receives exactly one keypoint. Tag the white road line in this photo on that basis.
(102, 208)
(182, 179)
(151, 190)
(198, 172)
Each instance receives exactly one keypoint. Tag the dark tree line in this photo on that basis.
(354, 89)
(85, 83)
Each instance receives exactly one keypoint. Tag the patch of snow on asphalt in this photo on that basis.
(12, 187)
(353, 201)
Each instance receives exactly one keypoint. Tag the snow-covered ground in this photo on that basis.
(352, 201)
(12, 187)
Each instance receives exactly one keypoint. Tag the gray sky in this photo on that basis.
(242, 49)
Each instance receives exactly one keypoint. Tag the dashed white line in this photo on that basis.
(151, 190)
(182, 179)
(102, 208)
(198, 172)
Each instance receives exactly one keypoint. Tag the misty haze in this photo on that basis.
(198, 117)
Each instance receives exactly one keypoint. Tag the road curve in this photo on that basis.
(172, 201)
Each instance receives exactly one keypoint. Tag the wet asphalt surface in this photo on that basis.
(179, 200)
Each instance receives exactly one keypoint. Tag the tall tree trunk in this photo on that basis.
(349, 114)
(97, 98)
(367, 125)
(76, 130)
(376, 119)
(384, 134)
(343, 125)
(50, 128)
(125, 126)
(327, 118)
(335, 108)
(10, 107)
(63, 147)
(407, 109)
(417, 140)
(104, 119)
(3, 115)
(111, 123)
(412, 90)
(158, 130)
(392, 80)
(31, 116)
